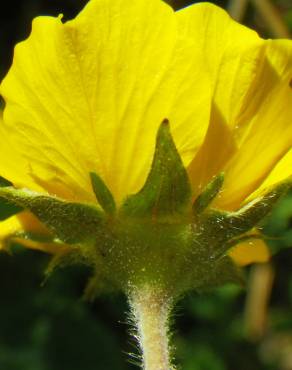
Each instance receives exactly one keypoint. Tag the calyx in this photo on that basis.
(157, 236)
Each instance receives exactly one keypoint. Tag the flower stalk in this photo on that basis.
(150, 311)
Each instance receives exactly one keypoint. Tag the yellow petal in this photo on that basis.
(254, 251)
(279, 173)
(90, 94)
(31, 224)
(25, 222)
(22, 222)
(250, 128)
(232, 53)
(269, 136)
(9, 227)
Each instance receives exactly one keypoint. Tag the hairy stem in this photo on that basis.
(150, 310)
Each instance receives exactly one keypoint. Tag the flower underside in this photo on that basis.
(82, 110)
(158, 236)
(149, 145)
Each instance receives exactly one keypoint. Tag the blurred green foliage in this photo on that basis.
(45, 325)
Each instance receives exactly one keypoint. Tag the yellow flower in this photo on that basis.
(89, 95)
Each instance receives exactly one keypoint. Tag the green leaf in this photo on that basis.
(208, 194)
(70, 222)
(167, 189)
(103, 194)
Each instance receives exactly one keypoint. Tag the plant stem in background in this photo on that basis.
(268, 12)
(237, 9)
(272, 18)
(259, 294)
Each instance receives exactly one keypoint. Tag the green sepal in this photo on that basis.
(34, 237)
(103, 194)
(4, 182)
(251, 214)
(70, 222)
(167, 189)
(247, 217)
(7, 209)
(223, 271)
(220, 230)
(64, 258)
(208, 194)
(226, 247)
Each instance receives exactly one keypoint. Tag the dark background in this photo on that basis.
(45, 325)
